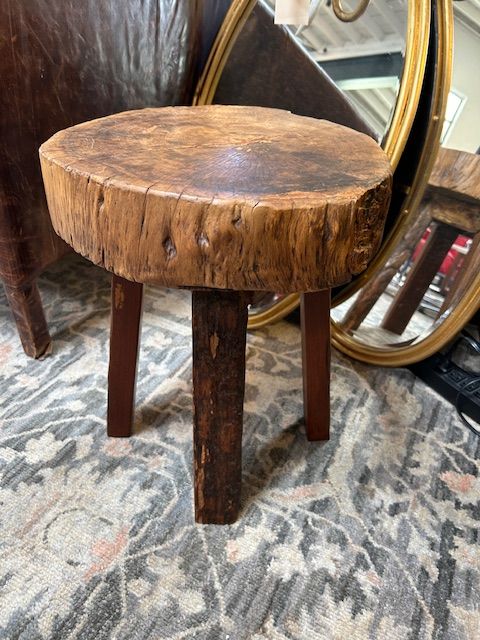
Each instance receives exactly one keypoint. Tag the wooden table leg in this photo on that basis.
(315, 319)
(419, 278)
(124, 342)
(219, 322)
(26, 305)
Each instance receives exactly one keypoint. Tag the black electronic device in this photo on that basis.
(457, 384)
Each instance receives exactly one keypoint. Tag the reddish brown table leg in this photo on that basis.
(219, 322)
(124, 343)
(315, 315)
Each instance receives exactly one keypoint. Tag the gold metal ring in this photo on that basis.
(349, 16)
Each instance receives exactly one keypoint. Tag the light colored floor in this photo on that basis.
(372, 333)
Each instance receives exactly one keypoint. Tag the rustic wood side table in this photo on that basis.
(222, 200)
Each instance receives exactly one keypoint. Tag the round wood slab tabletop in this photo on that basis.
(243, 198)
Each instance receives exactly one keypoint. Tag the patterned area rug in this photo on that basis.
(373, 535)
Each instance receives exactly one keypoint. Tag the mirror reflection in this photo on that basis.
(363, 57)
(435, 262)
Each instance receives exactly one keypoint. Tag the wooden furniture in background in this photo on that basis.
(452, 207)
(454, 203)
(223, 201)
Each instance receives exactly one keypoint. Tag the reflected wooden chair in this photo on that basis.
(454, 207)
(451, 207)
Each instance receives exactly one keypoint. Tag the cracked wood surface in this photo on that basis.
(243, 198)
(219, 330)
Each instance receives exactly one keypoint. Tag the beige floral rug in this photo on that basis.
(373, 535)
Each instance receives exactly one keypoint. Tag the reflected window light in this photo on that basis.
(455, 103)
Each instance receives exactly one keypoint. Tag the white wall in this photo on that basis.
(465, 132)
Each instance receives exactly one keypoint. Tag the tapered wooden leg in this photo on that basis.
(219, 322)
(26, 305)
(315, 318)
(419, 277)
(124, 342)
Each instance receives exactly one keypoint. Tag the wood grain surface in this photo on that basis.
(219, 329)
(456, 173)
(63, 63)
(242, 198)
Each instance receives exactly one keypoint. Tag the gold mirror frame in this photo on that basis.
(445, 327)
(416, 48)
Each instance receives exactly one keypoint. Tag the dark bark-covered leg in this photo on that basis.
(27, 309)
(219, 322)
(315, 316)
(124, 342)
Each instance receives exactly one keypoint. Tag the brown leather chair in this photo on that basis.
(62, 63)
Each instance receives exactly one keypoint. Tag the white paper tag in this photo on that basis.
(292, 12)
